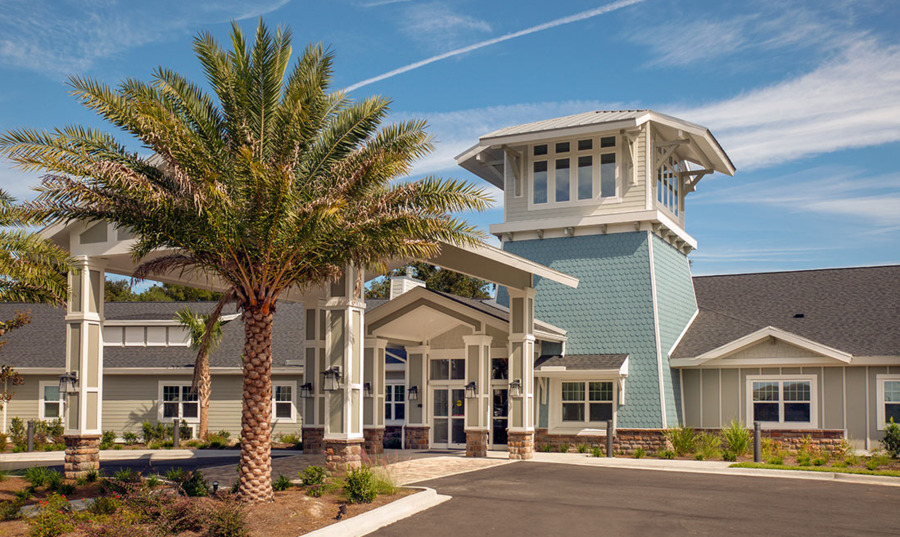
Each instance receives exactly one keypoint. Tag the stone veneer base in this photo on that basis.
(520, 445)
(313, 440)
(373, 441)
(82, 455)
(417, 437)
(341, 456)
(477, 443)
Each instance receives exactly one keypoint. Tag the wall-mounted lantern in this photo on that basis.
(306, 390)
(367, 389)
(515, 388)
(471, 390)
(332, 378)
(412, 393)
(68, 382)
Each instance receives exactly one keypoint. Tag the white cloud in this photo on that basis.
(58, 39)
(439, 27)
(850, 101)
(456, 52)
(16, 182)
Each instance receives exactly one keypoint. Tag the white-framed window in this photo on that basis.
(782, 401)
(50, 406)
(447, 369)
(888, 393)
(577, 171)
(394, 403)
(669, 182)
(177, 401)
(284, 401)
(587, 402)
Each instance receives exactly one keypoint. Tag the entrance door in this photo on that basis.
(449, 421)
(499, 417)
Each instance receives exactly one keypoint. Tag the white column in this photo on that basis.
(373, 375)
(478, 370)
(521, 370)
(313, 364)
(418, 417)
(84, 347)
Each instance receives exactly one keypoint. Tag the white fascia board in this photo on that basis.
(160, 322)
(562, 132)
(297, 370)
(683, 332)
(513, 261)
(697, 131)
(623, 369)
(599, 374)
(549, 336)
(760, 335)
(41, 370)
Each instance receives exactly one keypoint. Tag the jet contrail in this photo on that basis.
(552, 24)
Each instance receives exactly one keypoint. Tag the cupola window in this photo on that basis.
(574, 171)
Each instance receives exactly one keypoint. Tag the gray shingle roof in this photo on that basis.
(42, 343)
(855, 310)
(581, 361)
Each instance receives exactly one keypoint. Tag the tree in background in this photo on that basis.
(122, 291)
(436, 279)
(271, 182)
(198, 325)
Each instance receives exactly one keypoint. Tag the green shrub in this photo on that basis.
(777, 458)
(360, 487)
(312, 475)
(107, 440)
(876, 461)
(666, 454)
(729, 455)
(126, 475)
(289, 438)
(55, 482)
(36, 476)
(891, 441)
(226, 518)
(546, 448)
(176, 474)
(639, 453)
(738, 439)
(315, 491)
(596, 451)
(282, 483)
(24, 494)
(53, 518)
(583, 448)
(9, 509)
(683, 439)
(148, 432)
(17, 432)
(4, 442)
(129, 438)
(195, 484)
(564, 448)
(819, 461)
(708, 445)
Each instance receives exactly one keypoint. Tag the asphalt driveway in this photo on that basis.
(543, 499)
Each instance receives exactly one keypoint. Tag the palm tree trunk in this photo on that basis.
(256, 430)
(204, 390)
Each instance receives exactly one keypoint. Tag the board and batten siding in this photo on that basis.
(847, 397)
(634, 196)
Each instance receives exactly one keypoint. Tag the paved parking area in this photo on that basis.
(540, 499)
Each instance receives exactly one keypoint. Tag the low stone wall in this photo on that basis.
(374, 441)
(626, 441)
(416, 437)
(393, 437)
(313, 439)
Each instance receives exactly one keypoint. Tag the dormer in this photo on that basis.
(595, 173)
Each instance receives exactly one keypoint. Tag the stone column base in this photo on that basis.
(82, 455)
(477, 443)
(417, 438)
(341, 456)
(313, 440)
(521, 446)
(374, 441)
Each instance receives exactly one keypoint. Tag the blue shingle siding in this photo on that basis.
(610, 312)
(677, 304)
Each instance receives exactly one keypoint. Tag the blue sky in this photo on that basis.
(802, 95)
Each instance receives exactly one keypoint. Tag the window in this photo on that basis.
(177, 401)
(448, 369)
(888, 387)
(284, 407)
(587, 402)
(395, 402)
(574, 171)
(668, 182)
(51, 403)
(782, 401)
(499, 368)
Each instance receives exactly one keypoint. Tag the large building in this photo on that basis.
(597, 322)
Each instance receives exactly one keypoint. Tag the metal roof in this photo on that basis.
(594, 117)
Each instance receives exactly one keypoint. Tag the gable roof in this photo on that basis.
(852, 310)
(42, 343)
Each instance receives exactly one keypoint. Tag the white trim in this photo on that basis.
(41, 410)
(758, 336)
(659, 364)
(687, 326)
(555, 425)
(159, 411)
(781, 379)
(389, 386)
(293, 386)
(879, 390)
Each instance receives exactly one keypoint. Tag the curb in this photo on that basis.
(878, 480)
(376, 519)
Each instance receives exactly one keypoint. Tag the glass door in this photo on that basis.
(448, 418)
(499, 417)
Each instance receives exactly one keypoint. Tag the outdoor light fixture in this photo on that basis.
(67, 382)
(306, 390)
(367, 389)
(413, 393)
(471, 388)
(515, 388)
(215, 485)
(332, 378)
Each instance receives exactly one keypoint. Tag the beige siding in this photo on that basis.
(856, 406)
(499, 337)
(709, 416)
(691, 390)
(452, 339)
(776, 350)
(833, 398)
(874, 434)
(731, 395)
(24, 402)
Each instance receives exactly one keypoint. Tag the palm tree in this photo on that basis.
(197, 327)
(274, 182)
(32, 269)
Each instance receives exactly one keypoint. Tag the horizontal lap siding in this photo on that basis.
(24, 402)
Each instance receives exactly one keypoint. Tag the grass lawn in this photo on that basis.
(828, 469)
